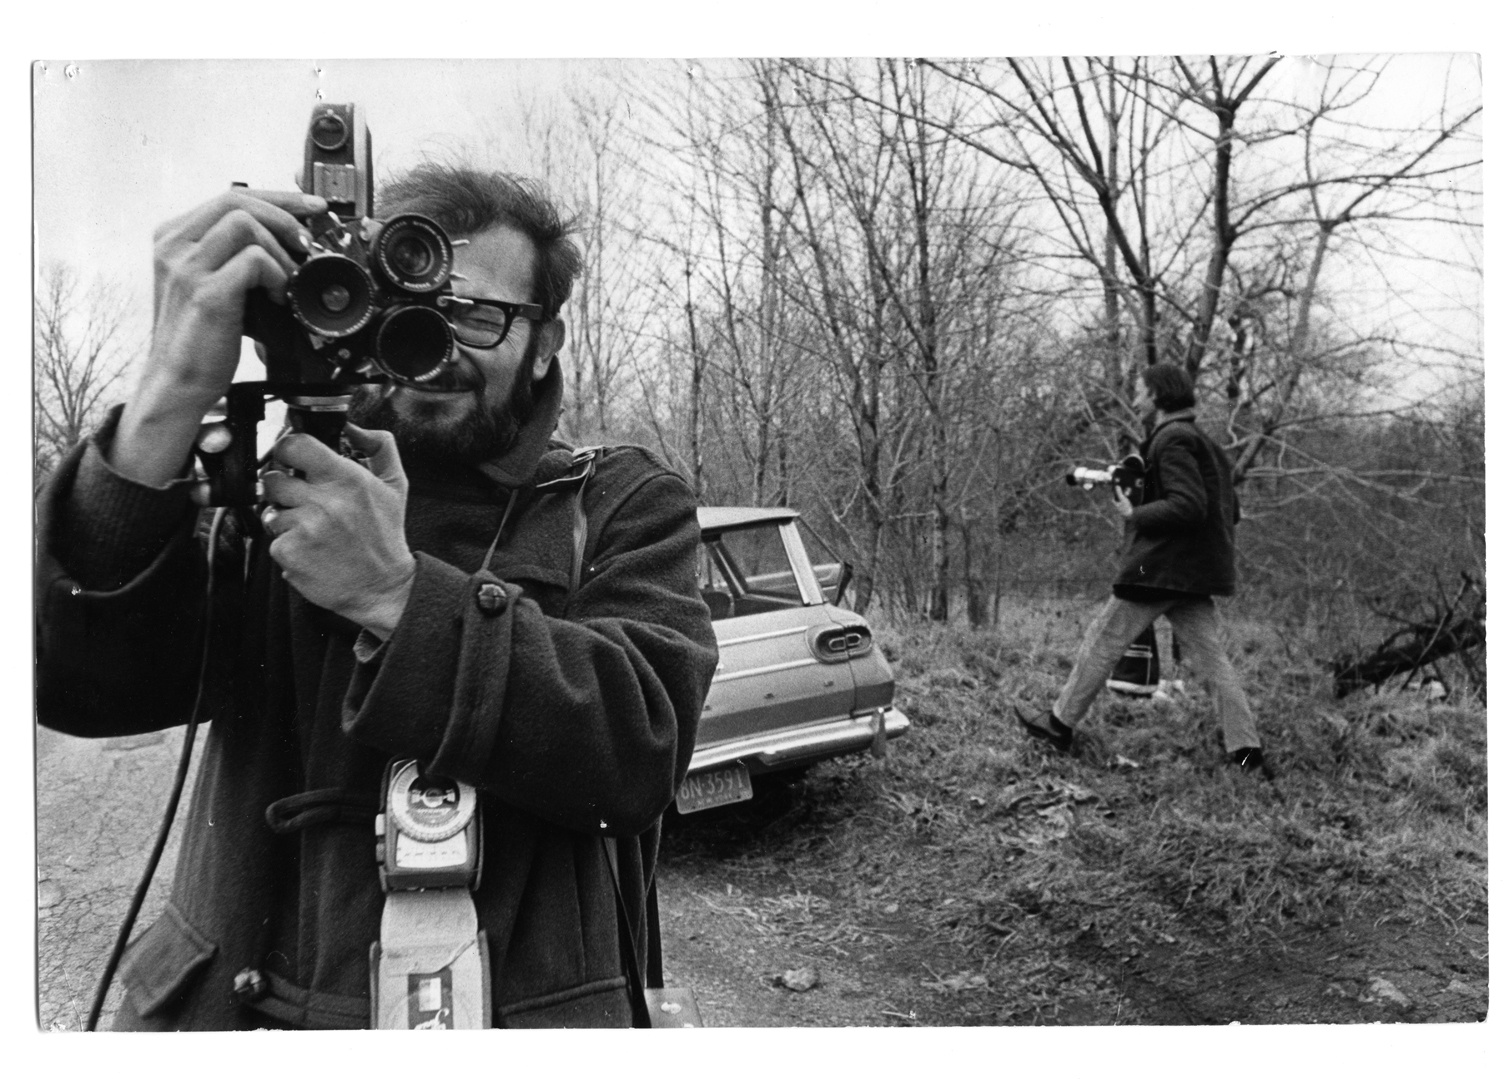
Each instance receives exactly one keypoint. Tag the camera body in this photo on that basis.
(1127, 474)
(366, 304)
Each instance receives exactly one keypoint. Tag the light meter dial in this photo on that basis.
(428, 808)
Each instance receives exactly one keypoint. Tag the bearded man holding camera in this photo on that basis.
(474, 596)
(1179, 554)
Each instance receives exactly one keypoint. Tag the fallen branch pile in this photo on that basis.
(1452, 627)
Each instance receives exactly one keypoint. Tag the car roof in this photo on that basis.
(716, 518)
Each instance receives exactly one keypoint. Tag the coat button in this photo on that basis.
(250, 985)
(491, 598)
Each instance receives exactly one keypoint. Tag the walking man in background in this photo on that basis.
(1179, 556)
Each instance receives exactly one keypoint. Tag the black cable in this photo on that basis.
(178, 783)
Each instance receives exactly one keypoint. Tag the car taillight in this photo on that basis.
(838, 643)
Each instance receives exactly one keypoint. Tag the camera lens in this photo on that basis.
(412, 253)
(332, 295)
(328, 132)
(411, 257)
(413, 343)
(335, 298)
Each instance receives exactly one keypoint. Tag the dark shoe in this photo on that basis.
(1251, 759)
(1045, 726)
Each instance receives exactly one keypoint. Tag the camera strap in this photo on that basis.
(653, 1004)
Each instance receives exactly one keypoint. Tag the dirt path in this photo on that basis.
(733, 932)
(722, 936)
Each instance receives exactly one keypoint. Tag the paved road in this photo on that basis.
(99, 803)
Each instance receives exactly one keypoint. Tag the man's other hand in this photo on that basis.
(206, 261)
(338, 527)
(1121, 503)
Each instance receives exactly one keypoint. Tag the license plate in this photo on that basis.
(716, 788)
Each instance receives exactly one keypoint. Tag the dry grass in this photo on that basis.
(1143, 837)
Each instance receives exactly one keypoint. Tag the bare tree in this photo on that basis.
(902, 295)
(1353, 178)
(583, 145)
(80, 350)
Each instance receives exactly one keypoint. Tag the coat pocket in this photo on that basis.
(161, 963)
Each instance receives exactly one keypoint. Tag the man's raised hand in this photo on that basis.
(205, 262)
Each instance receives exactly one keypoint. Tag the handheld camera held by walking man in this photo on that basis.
(1178, 555)
(1126, 476)
(454, 666)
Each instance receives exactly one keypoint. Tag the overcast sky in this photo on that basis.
(123, 145)
(120, 146)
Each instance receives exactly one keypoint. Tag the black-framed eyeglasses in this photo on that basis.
(483, 324)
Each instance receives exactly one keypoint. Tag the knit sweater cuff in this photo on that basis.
(113, 527)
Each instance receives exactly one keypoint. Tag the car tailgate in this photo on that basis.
(777, 670)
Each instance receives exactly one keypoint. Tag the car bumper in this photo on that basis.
(806, 744)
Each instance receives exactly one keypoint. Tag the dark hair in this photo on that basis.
(466, 201)
(1170, 387)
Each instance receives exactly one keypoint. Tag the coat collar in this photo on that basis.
(1170, 418)
(519, 465)
(530, 460)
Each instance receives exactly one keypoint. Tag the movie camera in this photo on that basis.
(1127, 474)
(367, 303)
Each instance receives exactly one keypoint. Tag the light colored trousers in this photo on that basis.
(1197, 628)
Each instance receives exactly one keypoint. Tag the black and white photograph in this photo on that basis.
(835, 542)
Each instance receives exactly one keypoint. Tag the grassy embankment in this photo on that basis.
(1033, 868)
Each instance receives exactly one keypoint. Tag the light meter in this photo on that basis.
(428, 831)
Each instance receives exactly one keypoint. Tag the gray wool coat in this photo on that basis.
(573, 713)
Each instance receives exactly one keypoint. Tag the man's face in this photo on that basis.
(1143, 403)
(467, 418)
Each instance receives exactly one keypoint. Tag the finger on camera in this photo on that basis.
(247, 269)
(380, 450)
(214, 437)
(234, 232)
(308, 455)
(278, 212)
(284, 490)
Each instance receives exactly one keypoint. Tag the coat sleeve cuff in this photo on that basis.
(113, 528)
(368, 647)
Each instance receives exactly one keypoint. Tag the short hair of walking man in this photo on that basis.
(1178, 556)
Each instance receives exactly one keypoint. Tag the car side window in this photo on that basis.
(715, 584)
(757, 556)
(747, 571)
(830, 571)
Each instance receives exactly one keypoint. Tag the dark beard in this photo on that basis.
(483, 435)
